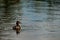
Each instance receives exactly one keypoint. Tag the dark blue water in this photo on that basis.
(40, 20)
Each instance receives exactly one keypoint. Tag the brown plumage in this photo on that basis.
(17, 28)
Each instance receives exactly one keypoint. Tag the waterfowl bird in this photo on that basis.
(17, 28)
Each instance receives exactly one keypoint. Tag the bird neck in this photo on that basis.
(17, 24)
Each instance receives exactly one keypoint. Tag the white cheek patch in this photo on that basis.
(20, 24)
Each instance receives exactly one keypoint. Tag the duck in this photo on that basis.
(17, 28)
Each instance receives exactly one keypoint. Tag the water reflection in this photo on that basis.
(50, 12)
(10, 12)
(40, 19)
(9, 15)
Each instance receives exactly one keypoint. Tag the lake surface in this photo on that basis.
(40, 20)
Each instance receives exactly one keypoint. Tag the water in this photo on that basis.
(40, 21)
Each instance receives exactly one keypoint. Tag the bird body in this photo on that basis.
(17, 28)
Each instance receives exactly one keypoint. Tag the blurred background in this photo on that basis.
(40, 19)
